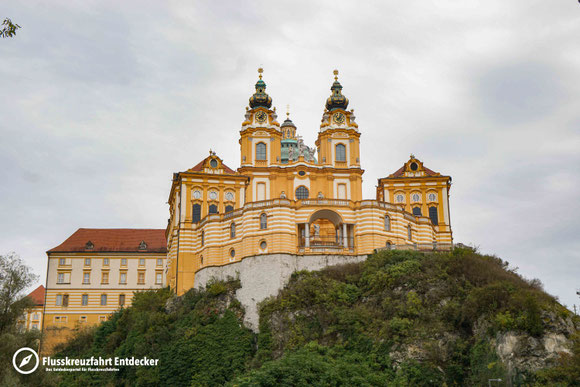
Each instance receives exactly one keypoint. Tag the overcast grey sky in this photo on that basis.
(102, 101)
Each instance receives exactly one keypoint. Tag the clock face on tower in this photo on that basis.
(261, 116)
(338, 118)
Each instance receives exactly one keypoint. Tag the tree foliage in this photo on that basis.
(15, 277)
(400, 318)
(8, 29)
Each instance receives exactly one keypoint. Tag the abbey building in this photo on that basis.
(288, 198)
(287, 207)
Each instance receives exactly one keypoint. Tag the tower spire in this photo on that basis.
(336, 99)
(260, 98)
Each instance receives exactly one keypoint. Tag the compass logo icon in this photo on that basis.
(25, 360)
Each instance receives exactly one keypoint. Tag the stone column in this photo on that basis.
(344, 236)
(307, 235)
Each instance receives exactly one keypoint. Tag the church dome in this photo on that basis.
(260, 98)
(336, 99)
(287, 122)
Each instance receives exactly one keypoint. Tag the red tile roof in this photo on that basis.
(37, 295)
(199, 167)
(401, 171)
(114, 240)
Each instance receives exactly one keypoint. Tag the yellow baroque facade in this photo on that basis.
(288, 198)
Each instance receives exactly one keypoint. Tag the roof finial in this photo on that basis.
(288, 111)
(412, 156)
(260, 71)
(335, 75)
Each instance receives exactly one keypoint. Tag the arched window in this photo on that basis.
(202, 237)
(387, 223)
(263, 221)
(261, 151)
(340, 152)
(433, 215)
(389, 245)
(417, 211)
(201, 259)
(213, 209)
(409, 232)
(196, 215)
(229, 208)
(232, 230)
(302, 193)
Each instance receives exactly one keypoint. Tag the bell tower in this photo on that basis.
(338, 140)
(260, 137)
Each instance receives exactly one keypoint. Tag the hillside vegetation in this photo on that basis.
(400, 318)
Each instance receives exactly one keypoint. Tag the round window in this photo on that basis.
(263, 245)
(301, 173)
(196, 194)
(229, 196)
(232, 253)
(400, 198)
(213, 163)
(416, 197)
(213, 195)
(432, 197)
(414, 166)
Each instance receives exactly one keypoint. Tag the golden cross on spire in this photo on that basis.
(335, 75)
(260, 71)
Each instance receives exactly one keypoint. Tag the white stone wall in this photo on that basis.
(262, 276)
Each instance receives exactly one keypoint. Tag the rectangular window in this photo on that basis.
(121, 299)
(158, 278)
(34, 326)
(86, 278)
(141, 261)
(342, 191)
(83, 319)
(56, 319)
(65, 300)
(59, 299)
(141, 278)
(87, 262)
(36, 316)
(105, 279)
(340, 152)
(261, 151)
(85, 299)
(102, 318)
(123, 261)
(105, 261)
(103, 299)
(61, 262)
(159, 261)
(123, 278)
(261, 191)
(433, 215)
(60, 278)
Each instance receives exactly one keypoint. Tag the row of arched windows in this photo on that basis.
(213, 209)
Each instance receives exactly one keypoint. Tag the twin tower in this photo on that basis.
(287, 199)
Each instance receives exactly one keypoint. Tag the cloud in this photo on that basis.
(103, 101)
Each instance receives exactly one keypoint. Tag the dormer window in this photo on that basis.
(89, 245)
(414, 166)
(142, 245)
(213, 163)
